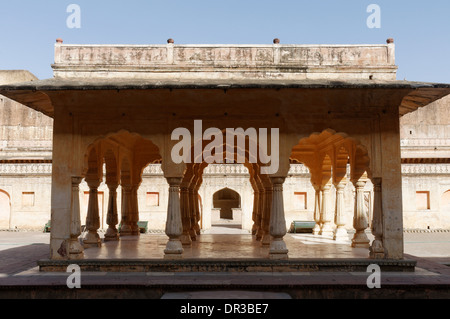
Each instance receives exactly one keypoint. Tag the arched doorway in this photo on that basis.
(226, 210)
(5, 210)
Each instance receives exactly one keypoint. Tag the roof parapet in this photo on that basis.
(275, 61)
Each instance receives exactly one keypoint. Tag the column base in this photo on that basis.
(186, 240)
(197, 229)
(76, 251)
(340, 234)
(193, 234)
(376, 250)
(135, 230)
(360, 240)
(326, 230)
(258, 234)
(376, 255)
(174, 249)
(265, 240)
(278, 249)
(254, 229)
(125, 230)
(92, 239)
(111, 234)
(316, 229)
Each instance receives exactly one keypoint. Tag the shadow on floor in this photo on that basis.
(22, 258)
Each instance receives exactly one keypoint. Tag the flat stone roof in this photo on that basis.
(32, 93)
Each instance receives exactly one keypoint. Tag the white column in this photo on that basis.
(340, 233)
(259, 230)
(125, 228)
(360, 219)
(198, 217)
(92, 219)
(111, 216)
(317, 219)
(255, 212)
(377, 249)
(76, 250)
(134, 213)
(265, 221)
(326, 212)
(193, 214)
(174, 228)
(185, 217)
(278, 249)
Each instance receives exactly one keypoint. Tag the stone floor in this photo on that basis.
(225, 243)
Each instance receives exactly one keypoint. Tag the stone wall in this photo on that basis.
(425, 144)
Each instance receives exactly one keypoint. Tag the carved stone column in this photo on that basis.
(360, 219)
(278, 249)
(256, 222)
(111, 216)
(174, 228)
(125, 228)
(265, 222)
(261, 201)
(76, 250)
(326, 212)
(134, 213)
(340, 233)
(197, 212)
(193, 214)
(185, 217)
(92, 219)
(377, 249)
(317, 219)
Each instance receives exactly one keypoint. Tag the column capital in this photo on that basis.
(277, 180)
(376, 181)
(174, 181)
(93, 182)
(76, 180)
(360, 184)
(340, 186)
(112, 186)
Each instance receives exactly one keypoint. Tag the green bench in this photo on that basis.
(47, 227)
(302, 226)
(143, 226)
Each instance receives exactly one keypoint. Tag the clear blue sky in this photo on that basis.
(421, 29)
